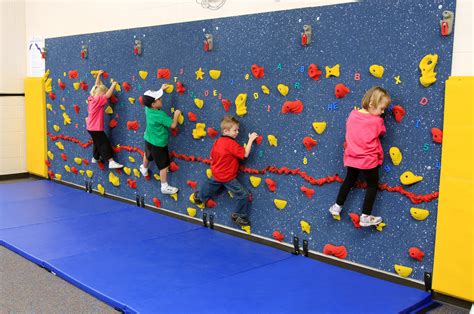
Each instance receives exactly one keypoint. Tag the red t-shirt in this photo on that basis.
(226, 155)
(364, 150)
(95, 108)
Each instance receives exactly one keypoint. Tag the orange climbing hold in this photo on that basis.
(157, 202)
(61, 84)
(113, 123)
(341, 90)
(437, 135)
(64, 156)
(314, 72)
(84, 86)
(258, 71)
(74, 170)
(76, 108)
(259, 140)
(277, 235)
(192, 116)
(398, 113)
(355, 219)
(73, 74)
(113, 99)
(132, 183)
(227, 104)
(174, 166)
(192, 184)
(416, 253)
(133, 125)
(140, 99)
(309, 143)
(292, 107)
(271, 185)
(180, 88)
(163, 73)
(52, 96)
(337, 251)
(212, 132)
(307, 191)
(211, 203)
(126, 86)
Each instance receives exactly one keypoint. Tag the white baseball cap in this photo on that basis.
(150, 96)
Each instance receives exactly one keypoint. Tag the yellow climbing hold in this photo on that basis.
(174, 196)
(56, 128)
(157, 177)
(272, 140)
(169, 88)
(181, 119)
(283, 89)
(131, 159)
(199, 102)
(319, 127)
(61, 106)
(199, 74)
(215, 74)
(241, 105)
(89, 173)
(191, 211)
(78, 160)
(131, 100)
(334, 71)
(376, 70)
(109, 110)
(280, 204)
(246, 229)
(305, 226)
(199, 131)
(81, 172)
(76, 85)
(114, 179)
(427, 65)
(419, 213)
(336, 217)
(93, 73)
(191, 199)
(409, 177)
(136, 172)
(305, 161)
(380, 226)
(101, 189)
(403, 271)
(59, 145)
(50, 155)
(66, 119)
(143, 74)
(209, 173)
(58, 176)
(230, 194)
(48, 86)
(265, 89)
(67, 168)
(255, 181)
(395, 155)
(50, 107)
(127, 170)
(46, 74)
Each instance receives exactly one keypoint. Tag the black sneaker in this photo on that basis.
(241, 221)
(196, 199)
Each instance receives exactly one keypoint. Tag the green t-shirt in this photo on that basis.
(157, 125)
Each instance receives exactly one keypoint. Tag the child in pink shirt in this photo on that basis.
(95, 122)
(364, 152)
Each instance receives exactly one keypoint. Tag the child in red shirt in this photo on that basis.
(364, 152)
(226, 155)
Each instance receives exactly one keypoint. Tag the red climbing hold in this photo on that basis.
(341, 90)
(259, 140)
(398, 113)
(180, 88)
(277, 235)
(64, 156)
(192, 116)
(174, 132)
(212, 132)
(126, 86)
(101, 165)
(74, 170)
(226, 103)
(51, 174)
(258, 71)
(307, 191)
(157, 202)
(47, 163)
(163, 73)
(355, 219)
(84, 86)
(337, 251)
(140, 99)
(292, 107)
(173, 166)
(105, 75)
(73, 74)
(133, 125)
(113, 123)
(314, 72)
(132, 183)
(304, 39)
(211, 203)
(76, 108)
(62, 85)
(192, 184)
(309, 143)
(113, 99)
(85, 161)
(271, 185)
(52, 95)
(416, 253)
(437, 135)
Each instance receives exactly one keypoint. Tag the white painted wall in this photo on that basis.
(55, 18)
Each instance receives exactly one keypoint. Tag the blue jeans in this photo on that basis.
(211, 187)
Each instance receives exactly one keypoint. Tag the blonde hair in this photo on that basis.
(98, 88)
(228, 122)
(374, 96)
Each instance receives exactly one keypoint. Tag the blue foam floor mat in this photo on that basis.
(142, 261)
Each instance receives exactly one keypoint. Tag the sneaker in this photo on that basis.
(94, 161)
(335, 210)
(144, 171)
(114, 165)
(194, 199)
(369, 220)
(169, 190)
(239, 220)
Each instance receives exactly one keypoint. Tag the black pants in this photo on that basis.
(372, 178)
(102, 147)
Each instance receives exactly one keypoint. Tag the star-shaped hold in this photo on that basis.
(199, 74)
(397, 79)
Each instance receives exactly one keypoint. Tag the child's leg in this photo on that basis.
(95, 146)
(372, 178)
(104, 147)
(147, 157)
(349, 181)
(241, 195)
(208, 190)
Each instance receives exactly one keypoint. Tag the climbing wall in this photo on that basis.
(294, 90)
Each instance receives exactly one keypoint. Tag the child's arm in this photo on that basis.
(252, 138)
(176, 115)
(111, 90)
(97, 79)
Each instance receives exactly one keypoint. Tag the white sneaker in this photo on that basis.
(94, 161)
(169, 190)
(335, 210)
(114, 165)
(143, 170)
(369, 220)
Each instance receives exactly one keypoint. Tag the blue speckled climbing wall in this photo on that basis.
(396, 35)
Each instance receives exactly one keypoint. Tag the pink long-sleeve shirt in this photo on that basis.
(95, 109)
(363, 150)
